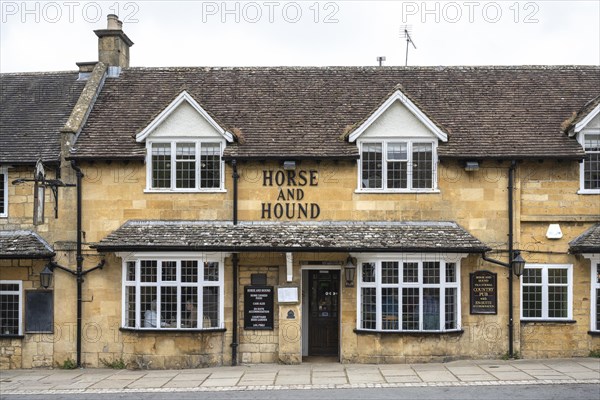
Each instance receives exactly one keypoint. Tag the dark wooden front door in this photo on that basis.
(323, 306)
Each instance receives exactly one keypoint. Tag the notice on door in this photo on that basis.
(484, 293)
(258, 307)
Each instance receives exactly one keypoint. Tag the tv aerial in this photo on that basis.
(405, 33)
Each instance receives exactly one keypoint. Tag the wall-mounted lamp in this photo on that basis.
(46, 276)
(518, 264)
(350, 271)
(472, 166)
(289, 165)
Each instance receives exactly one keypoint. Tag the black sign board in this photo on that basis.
(484, 293)
(258, 307)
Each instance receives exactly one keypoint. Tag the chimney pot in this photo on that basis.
(113, 23)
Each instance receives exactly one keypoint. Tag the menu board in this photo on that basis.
(258, 307)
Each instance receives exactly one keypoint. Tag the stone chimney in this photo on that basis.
(113, 44)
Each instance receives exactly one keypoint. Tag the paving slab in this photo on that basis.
(293, 380)
(476, 378)
(329, 381)
(145, 383)
(72, 385)
(403, 379)
(397, 372)
(111, 384)
(181, 384)
(437, 376)
(511, 376)
(366, 378)
(584, 375)
(213, 382)
(191, 377)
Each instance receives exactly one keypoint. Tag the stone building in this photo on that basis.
(189, 217)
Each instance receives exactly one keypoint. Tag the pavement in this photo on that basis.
(304, 376)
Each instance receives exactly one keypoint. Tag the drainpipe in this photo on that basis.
(234, 260)
(79, 258)
(511, 187)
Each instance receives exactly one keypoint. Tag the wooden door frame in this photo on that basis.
(304, 269)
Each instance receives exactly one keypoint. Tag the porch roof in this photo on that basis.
(342, 236)
(587, 242)
(21, 244)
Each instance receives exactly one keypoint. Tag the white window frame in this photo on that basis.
(595, 285)
(19, 293)
(200, 258)
(173, 189)
(410, 141)
(544, 285)
(4, 183)
(581, 140)
(409, 258)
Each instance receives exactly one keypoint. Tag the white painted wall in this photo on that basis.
(185, 121)
(397, 122)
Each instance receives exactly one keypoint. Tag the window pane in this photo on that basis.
(450, 272)
(168, 307)
(130, 271)
(422, 166)
(189, 271)
(368, 307)
(148, 271)
(9, 313)
(185, 174)
(389, 308)
(189, 307)
(431, 272)
(396, 175)
(9, 287)
(557, 302)
(591, 171)
(389, 272)
(532, 275)
(161, 165)
(148, 306)
(532, 301)
(371, 166)
(368, 272)
(556, 275)
(211, 271)
(410, 272)
(210, 305)
(2, 194)
(130, 306)
(169, 271)
(598, 309)
(431, 309)
(410, 309)
(592, 142)
(210, 165)
(451, 309)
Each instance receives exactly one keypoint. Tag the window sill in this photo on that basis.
(171, 191)
(548, 321)
(588, 191)
(594, 333)
(387, 191)
(171, 331)
(408, 333)
(12, 337)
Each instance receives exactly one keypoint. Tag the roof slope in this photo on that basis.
(587, 242)
(33, 109)
(284, 112)
(309, 236)
(23, 245)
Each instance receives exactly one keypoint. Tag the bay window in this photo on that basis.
(185, 166)
(397, 166)
(547, 292)
(169, 293)
(405, 296)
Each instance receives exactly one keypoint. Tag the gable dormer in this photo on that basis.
(586, 128)
(398, 147)
(184, 148)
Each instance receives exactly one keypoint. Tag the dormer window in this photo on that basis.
(397, 165)
(189, 165)
(590, 169)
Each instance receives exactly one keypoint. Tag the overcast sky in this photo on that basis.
(50, 36)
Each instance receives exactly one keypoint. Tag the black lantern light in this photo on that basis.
(350, 272)
(518, 264)
(46, 276)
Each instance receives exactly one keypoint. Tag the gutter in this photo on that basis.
(235, 267)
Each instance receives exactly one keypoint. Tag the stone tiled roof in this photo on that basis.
(284, 112)
(23, 245)
(33, 109)
(587, 242)
(308, 236)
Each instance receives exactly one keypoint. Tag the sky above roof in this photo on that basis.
(51, 36)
